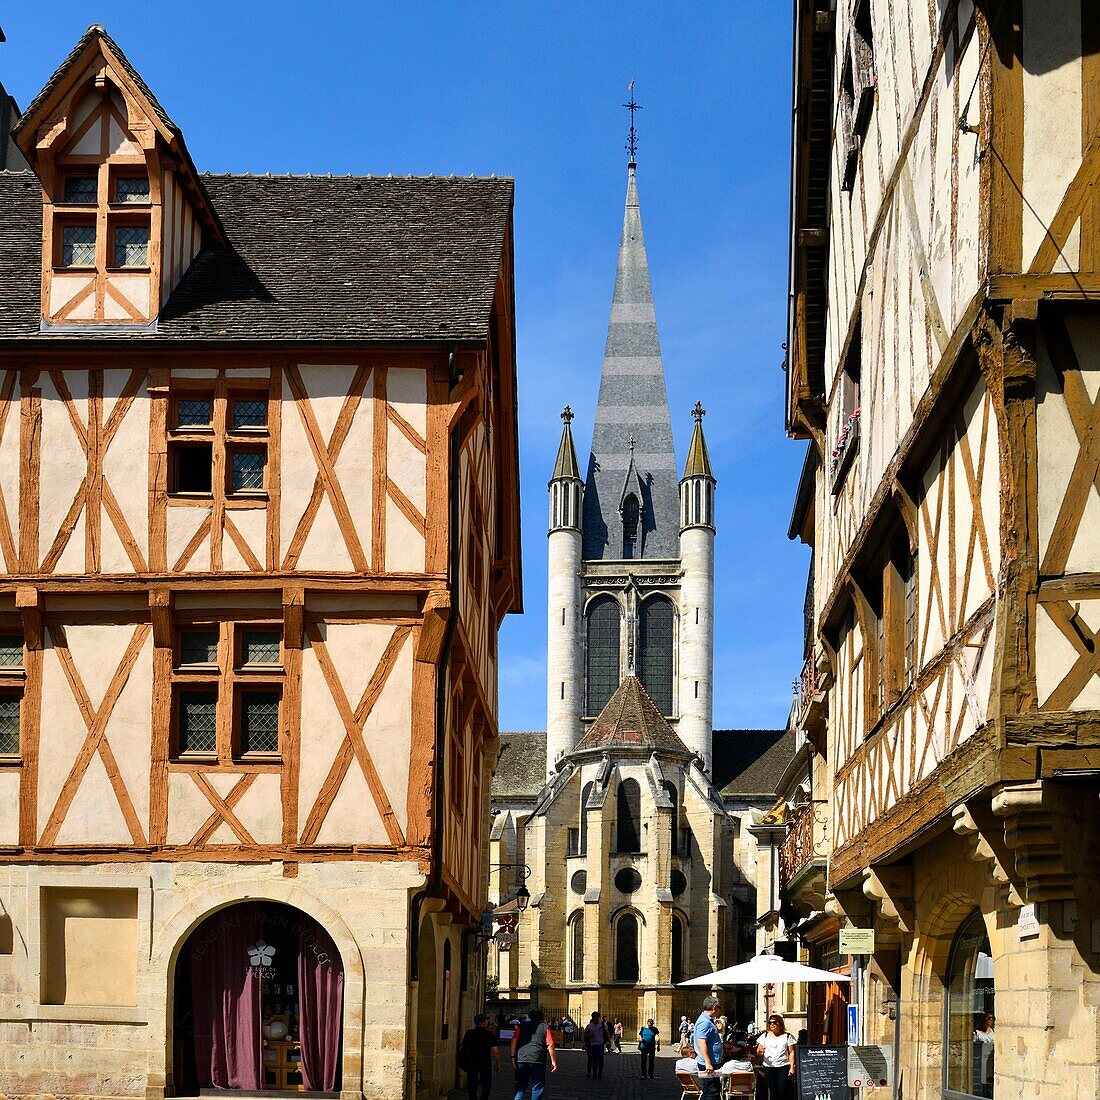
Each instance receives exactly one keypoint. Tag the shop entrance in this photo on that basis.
(259, 1003)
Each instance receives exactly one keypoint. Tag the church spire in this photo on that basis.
(632, 402)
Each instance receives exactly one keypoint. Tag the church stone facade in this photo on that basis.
(632, 848)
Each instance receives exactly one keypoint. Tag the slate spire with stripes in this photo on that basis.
(633, 403)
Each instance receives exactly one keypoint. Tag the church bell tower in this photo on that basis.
(631, 548)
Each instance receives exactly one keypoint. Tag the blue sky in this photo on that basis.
(534, 91)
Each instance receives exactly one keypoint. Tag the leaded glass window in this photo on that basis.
(603, 624)
(631, 523)
(259, 721)
(656, 628)
(194, 412)
(260, 647)
(78, 246)
(247, 471)
(626, 948)
(628, 819)
(969, 1020)
(198, 647)
(249, 413)
(81, 189)
(11, 651)
(131, 246)
(198, 721)
(132, 189)
(9, 724)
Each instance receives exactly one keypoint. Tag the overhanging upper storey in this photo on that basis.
(123, 210)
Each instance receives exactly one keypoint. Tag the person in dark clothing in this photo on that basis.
(478, 1056)
(649, 1042)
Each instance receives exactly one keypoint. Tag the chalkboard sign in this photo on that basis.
(822, 1073)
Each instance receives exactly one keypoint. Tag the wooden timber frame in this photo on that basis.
(1027, 733)
(466, 388)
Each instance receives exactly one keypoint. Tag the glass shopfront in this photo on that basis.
(969, 1020)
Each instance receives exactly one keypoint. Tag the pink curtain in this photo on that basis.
(225, 992)
(321, 1005)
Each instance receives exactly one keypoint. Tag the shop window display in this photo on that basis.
(969, 1020)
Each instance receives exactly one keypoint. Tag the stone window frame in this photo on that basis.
(148, 999)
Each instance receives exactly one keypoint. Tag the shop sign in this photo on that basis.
(506, 939)
(857, 941)
(821, 1073)
(260, 956)
(870, 1067)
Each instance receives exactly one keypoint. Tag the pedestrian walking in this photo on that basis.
(596, 1038)
(479, 1058)
(618, 1033)
(532, 1048)
(649, 1042)
(776, 1048)
(708, 1050)
(685, 1031)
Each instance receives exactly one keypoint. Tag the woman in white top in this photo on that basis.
(776, 1047)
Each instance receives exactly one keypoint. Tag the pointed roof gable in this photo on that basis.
(631, 720)
(41, 122)
(565, 465)
(632, 403)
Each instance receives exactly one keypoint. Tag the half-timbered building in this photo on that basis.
(944, 359)
(258, 529)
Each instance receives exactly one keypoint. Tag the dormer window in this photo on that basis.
(131, 189)
(131, 246)
(77, 245)
(81, 190)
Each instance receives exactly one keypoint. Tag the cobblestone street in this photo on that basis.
(621, 1079)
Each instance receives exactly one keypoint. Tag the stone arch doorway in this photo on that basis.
(259, 1003)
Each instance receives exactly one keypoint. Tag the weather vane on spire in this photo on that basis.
(632, 139)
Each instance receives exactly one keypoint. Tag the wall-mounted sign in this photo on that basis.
(870, 1067)
(857, 941)
(853, 1024)
(1027, 923)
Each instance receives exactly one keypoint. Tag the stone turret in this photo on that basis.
(564, 677)
(697, 596)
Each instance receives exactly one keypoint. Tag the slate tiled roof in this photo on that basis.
(750, 762)
(521, 766)
(312, 258)
(631, 720)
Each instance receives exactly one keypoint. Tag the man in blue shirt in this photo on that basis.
(708, 1050)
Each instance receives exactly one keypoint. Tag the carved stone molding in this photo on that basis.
(1038, 829)
(981, 851)
(891, 891)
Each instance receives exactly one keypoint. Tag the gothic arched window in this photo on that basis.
(632, 513)
(603, 652)
(576, 947)
(678, 940)
(626, 948)
(655, 639)
(628, 819)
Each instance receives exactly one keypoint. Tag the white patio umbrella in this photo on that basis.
(765, 969)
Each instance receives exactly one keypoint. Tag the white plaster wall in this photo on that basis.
(1052, 119)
